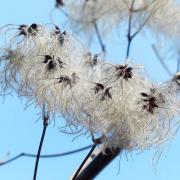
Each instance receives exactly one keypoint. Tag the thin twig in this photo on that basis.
(178, 62)
(45, 155)
(161, 61)
(141, 26)
(129, 30)
(103, 47)
(45, 124)
(84, 161)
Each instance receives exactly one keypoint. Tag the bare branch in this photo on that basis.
(103, 48)
(45, 124)
(161, 61)
(45, 155)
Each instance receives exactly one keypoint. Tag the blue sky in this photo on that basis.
(20, 133)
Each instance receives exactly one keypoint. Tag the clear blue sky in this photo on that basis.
(20, 133)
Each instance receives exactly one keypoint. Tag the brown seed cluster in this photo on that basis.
(150, 102)
(105, 91)
(123, 71)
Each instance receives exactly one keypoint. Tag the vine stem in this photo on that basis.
(45, 124)
(99, 162)
(84, 161)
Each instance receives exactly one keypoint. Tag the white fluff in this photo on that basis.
(115, 101)
(161, 16)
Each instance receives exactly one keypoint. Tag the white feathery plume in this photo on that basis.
(115, 101)
(161, 16)
(104, 12)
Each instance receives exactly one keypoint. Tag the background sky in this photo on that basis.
(19, 131)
